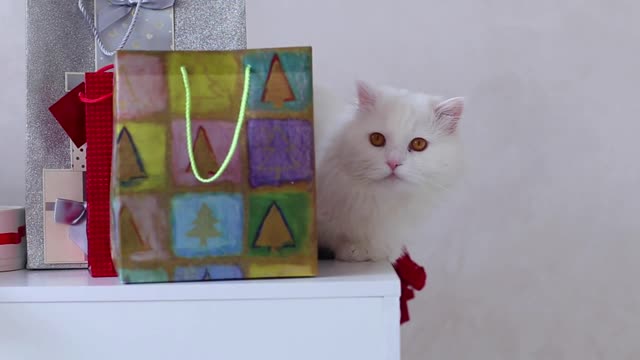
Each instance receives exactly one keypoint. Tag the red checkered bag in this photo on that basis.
(99, 130)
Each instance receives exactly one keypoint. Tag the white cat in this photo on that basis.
(383, 169)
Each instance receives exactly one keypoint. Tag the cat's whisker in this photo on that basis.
(437, 185)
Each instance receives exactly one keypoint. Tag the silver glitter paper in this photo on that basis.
(210, 25)
(57, 42)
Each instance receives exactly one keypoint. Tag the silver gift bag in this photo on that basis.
(61, 46)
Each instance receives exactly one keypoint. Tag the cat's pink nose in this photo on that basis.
(393, 164)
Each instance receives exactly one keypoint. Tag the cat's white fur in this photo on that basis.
(362, 213)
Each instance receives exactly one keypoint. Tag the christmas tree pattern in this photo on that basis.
(204, 227)
(277, 89)
(205, 158)
(131, 241)
(274, 232)
(130, 165)
(206, 276)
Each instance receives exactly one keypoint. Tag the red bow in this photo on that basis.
(13, 238)
(412, 276)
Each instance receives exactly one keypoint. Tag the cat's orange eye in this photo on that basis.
(377, 139)
(418, 144)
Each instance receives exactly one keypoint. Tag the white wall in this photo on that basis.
(536, 255)
(12, 102)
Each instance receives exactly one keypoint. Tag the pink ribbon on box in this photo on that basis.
(73, 213)
(69, 212)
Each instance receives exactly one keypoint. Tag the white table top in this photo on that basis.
(335, 280)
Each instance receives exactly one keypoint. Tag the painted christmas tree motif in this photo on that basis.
(206, 276)
(131, 241)
(277, 89)
(206, 161)
(274, 232)
(130, 165)
(204, 227)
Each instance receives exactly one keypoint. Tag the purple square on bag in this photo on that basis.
(280, 151)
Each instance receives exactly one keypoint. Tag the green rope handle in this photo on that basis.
(236, 134)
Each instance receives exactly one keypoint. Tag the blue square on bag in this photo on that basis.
(207, 224)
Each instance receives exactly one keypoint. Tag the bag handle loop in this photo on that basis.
(86, 100)
(236, 133)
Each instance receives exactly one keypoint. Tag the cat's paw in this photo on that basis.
(348, 251)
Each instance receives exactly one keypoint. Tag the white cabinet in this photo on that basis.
(350, 311)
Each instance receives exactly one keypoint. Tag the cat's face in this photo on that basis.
(401, 140)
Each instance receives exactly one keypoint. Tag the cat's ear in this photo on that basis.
(366, 95)
(448, 114)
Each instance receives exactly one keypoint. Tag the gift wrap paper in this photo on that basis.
(153, 29)
(258, 219)
(189, 25)
(59, 42)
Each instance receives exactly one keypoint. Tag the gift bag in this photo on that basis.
(99, 123)
(213, 173)
(66, 39)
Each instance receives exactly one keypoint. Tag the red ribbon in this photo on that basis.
(13, 238)
(412, 277)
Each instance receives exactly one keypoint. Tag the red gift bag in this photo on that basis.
(99, 130)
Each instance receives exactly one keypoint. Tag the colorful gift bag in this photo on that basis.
(213, 173)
